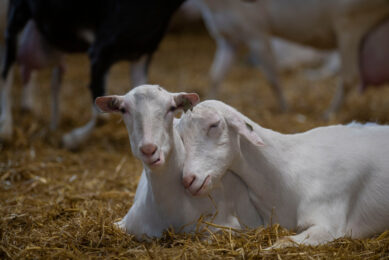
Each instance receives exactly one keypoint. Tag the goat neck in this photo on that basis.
(264, 170)
(167, 180)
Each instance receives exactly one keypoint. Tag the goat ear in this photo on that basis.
(109, 104)
(244, 129)
(186, 101)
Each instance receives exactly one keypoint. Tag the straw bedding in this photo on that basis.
(61, 204)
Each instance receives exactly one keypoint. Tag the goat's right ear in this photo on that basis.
(243, 128)
(109, 104)
(186, 101)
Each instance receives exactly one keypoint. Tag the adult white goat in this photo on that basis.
(326, 183)
(161, 201)
(330, 24)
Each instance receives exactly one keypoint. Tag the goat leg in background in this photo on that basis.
(18, 15)
(56, 80)
(262, 47)
(139, 70)
(224, 57)
(101, 61)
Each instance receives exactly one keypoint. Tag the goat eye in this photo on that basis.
(122, 110)
(214, 124)
(172, 109)
(213, 129)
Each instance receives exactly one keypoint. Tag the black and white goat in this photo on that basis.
(110, 31)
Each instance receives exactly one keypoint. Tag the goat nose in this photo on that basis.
(188, 180)
(148, 149)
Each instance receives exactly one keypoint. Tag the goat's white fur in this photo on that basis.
(161, 201)
(326, 183)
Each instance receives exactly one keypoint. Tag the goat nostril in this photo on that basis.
(148, 149)
(188, 180)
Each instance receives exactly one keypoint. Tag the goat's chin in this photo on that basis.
(203, 192)
(203, 189)
(155, 162)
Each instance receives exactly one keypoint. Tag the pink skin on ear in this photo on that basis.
(193, 98)
(186, 101)
(108, 104)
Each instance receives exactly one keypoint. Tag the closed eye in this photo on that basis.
(214, 124)
(213, 129)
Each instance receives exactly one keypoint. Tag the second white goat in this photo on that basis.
(326, 183)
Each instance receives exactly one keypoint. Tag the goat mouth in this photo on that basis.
(202, 187)
(157, 162)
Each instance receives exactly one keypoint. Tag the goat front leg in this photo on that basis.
(348, 50)
(100, 63)
(17, 18)
(313, 236)
(224, 56)
(56, 80)
(350, 36)
(337, 101)
(29, 86)
(79, 135)
(139, 70)
(263, 49)
(6, 126)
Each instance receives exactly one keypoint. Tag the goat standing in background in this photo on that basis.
(344, 25)
(110, 31)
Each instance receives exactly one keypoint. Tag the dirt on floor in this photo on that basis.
(57, 203)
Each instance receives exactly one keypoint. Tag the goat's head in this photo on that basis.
(148, 112)
(210, 134)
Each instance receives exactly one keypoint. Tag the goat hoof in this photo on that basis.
(282, 243)
(5, 132)
(120, 225)
(70, 141)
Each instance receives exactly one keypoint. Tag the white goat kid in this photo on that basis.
(326, 183)
(161, 201)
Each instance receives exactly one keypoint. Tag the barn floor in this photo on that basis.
(61, 204)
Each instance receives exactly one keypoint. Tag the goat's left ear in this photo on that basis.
(244, 129)
(186, 101)
(109, 104)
